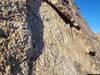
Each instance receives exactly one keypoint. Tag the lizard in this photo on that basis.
(64, 16)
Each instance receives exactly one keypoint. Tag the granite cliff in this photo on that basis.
(39, 41)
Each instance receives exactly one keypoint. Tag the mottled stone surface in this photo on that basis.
(14, 49)
(98, 35)
(39, 42)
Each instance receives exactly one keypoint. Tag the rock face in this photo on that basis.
(98, 35)
(40, 42)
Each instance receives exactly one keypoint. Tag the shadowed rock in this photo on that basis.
(3, 34)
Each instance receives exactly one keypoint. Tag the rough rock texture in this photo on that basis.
(14, 49)
(98, 35)
(39, 42)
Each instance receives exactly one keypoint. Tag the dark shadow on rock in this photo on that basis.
(65, 17)
(35, 24)
(14, 65)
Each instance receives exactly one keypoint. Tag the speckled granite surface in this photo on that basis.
(39, 42)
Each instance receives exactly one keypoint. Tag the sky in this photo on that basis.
(90, 9)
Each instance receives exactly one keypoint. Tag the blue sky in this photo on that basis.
(90, 9)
